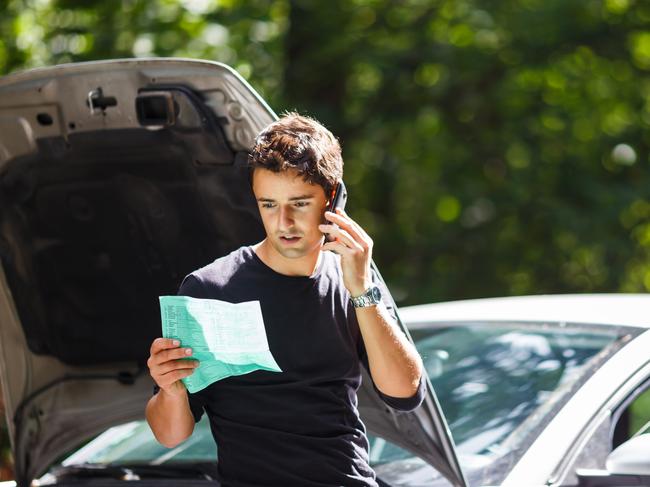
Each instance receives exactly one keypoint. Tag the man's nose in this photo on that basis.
(286, 218)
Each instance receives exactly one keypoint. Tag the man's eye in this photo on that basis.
(300, 204)
(267, 205)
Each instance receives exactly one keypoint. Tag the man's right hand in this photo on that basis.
(166, 367)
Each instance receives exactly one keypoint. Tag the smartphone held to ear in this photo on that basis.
(338, 199)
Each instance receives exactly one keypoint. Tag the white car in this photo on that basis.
(538, 390)
(117, 178)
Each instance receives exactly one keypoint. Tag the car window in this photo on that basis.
(491, 378)
(640, 413)
(133, 443)
(499, 384)
(631, 416)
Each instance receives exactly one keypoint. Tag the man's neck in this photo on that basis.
(302, 266)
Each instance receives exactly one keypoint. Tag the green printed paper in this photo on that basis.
(227, 339)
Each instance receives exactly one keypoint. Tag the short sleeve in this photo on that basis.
(192, 287)
(197, 405)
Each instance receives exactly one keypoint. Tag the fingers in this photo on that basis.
(358, 227)
(354, 229)
(343, 223)
(170, 371)
(170, 354)
(167, 362)
(173, 376)
(163, 344)
(337, 248)
(170, 366)
(342, 236)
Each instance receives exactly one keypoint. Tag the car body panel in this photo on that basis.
(593, 309)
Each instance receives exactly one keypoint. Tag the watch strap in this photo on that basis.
(370, 297)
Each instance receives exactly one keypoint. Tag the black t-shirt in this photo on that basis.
(299, 427)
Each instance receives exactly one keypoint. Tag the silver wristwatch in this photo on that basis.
(371, 297)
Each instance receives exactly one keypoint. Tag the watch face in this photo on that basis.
(376, 294)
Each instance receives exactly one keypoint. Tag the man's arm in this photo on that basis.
(168, 412)
(394, 363)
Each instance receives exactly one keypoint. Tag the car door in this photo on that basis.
(625, 412)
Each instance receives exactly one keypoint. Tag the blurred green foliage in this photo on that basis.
(491, 147)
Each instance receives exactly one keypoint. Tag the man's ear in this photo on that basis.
(330, 199)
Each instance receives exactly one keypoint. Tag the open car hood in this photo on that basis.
(117, 178)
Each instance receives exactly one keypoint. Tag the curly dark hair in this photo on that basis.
(301, 143)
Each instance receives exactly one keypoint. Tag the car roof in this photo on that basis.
(596, 309)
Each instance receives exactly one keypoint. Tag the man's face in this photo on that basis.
(291, 211)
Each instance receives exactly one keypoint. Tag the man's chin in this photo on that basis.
(292, 252)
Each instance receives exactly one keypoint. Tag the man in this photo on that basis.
(323, 320)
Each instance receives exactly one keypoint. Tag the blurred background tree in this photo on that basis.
(491, 147)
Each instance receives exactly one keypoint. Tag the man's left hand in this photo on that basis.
(354, 246)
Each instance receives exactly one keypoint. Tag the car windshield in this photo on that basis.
(134, 443)
(498, 384)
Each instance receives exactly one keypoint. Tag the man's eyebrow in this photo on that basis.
(294, 198)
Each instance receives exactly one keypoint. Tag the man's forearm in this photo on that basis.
(394, 362)
(170, 418)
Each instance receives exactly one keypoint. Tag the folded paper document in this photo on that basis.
(227, 339)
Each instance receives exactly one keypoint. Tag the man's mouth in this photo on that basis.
(289, 238)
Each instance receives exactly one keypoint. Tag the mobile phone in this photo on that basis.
(338, 200)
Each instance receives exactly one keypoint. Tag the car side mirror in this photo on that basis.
(628, 464)
(632, 457)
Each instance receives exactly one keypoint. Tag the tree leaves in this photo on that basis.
(492, 148)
